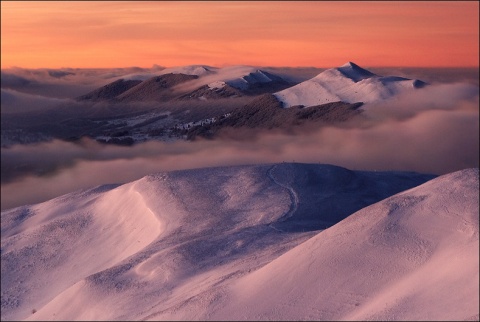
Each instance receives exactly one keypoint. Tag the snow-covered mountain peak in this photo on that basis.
(354, 72)
(349, 64)
(260, 76)
(352, 65)
(348, 83)
(245, 81)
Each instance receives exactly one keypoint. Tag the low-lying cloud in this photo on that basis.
(66, 82)
(18, 102)
(73, 82)
(434, 131)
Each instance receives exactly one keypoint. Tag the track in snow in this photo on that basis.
(293, 197)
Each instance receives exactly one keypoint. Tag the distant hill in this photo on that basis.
(153, 89)
(256, 82)
(349, 83)
(242, 82)
(266, 112)
(109, 91)
(156, 88)
(252, 83)
(206, 92)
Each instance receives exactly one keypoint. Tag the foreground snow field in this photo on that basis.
(275, 241)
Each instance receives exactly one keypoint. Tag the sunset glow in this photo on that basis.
(320, 34)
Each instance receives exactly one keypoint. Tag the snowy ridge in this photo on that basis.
(199, 70)
(413, 256)
(349, 83)
(238, 77)
(243, 82)
(223, 243)
(354, 72)
(67, 228)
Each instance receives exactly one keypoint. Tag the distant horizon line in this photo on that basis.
(245, 65)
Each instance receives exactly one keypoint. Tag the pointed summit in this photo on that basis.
(348, 83)
(355, 72)
(350, 64)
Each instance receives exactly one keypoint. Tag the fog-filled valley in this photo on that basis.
(49, 136)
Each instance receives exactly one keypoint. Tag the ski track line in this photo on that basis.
(291, 192)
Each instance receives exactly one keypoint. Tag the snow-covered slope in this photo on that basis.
(414, 256)
(349, 83)
(211, 83)
(44, 246)
(129, 251)
(236, 81)
(199, 70)
(244, 82)
(234, 243)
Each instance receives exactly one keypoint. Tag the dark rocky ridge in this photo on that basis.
(109, 91)
(266, 112)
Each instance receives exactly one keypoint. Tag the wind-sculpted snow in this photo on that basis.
(238, 242)
(51, 246)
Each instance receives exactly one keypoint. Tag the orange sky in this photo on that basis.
(290, 33)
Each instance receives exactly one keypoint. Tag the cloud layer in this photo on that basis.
(435, 130)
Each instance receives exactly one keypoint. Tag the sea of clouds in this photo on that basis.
(433, 130)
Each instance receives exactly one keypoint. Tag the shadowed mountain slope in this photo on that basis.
(109, 91)
(157, 88)
(266, 112)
